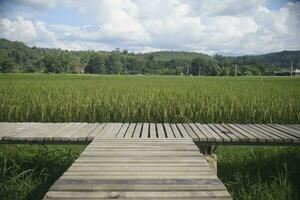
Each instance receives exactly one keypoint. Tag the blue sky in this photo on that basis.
(230, 27)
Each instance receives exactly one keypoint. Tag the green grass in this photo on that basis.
(27, 171)
(266, 173)
(102, 98)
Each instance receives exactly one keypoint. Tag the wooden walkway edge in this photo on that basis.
(248, 134)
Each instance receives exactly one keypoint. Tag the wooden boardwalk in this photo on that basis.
(144, 160)
(201, 133)
(139, 169)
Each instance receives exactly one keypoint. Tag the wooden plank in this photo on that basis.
(221, 130)
(122, 131)
(182, 131)
(241, 137)
(204, 168)
(225, 138)
(27, 131)
(160, 131)
(141, 185)
(284, 130)
(142, 165)
(145, 131)
(67, 133)
(82, 134)
(245, 131)
(39, 133)
(101, 153)
(200, 136)
(191, 132)
(207, 130)
(261, 131)
(168, 130)
(96, 131)
(13, 134)
(286, 138)
(262, 137)
(136, 194)
(137, 130)
(210, 137)
(56, 132)
(288, 130)
(140, 159)
(130, 130)
(176, 131)
(72, 130)
(152, 130)
(294, 126)
(251, 137)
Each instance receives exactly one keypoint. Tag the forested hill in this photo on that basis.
(17, 57)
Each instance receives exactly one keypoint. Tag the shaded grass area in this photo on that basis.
(268, 173)
(27, 171)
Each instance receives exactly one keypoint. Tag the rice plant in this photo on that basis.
(104, 98)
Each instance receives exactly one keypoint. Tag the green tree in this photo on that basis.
(96, 65)
(6, 64)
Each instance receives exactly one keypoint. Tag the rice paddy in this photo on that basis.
(100, 98)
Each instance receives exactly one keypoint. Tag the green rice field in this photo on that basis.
(249, 173)
(100, 98)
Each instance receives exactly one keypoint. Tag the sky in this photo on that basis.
(228, 27)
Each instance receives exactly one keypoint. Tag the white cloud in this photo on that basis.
(229, 26)
(20, 29)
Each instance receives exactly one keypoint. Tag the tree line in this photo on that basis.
(17, 57)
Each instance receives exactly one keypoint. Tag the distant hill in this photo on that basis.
(17, 57)
(279, 59)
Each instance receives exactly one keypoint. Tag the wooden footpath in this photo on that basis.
(139, 169)
(144, 160)
(260, 134)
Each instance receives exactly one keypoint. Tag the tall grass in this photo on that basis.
(266, 173)
(97, 98)
(27, 171)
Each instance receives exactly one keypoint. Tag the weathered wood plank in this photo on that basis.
(182, 131)
(168, 130)
(160, 131)
(252, 138)
(176, 131)
(122, 131)
(202, 137)
(152, 130)
(96, 131)
(221, 130)
(145, 131)
(242, 138)
(137, 194)
(137, 130)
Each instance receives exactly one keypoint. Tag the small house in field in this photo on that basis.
(295, 72)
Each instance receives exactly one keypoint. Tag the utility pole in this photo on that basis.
(235, 70)
(291, 68)
(199, 70)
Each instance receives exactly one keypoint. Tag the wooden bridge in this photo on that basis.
(199, 133)
(144, 160)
